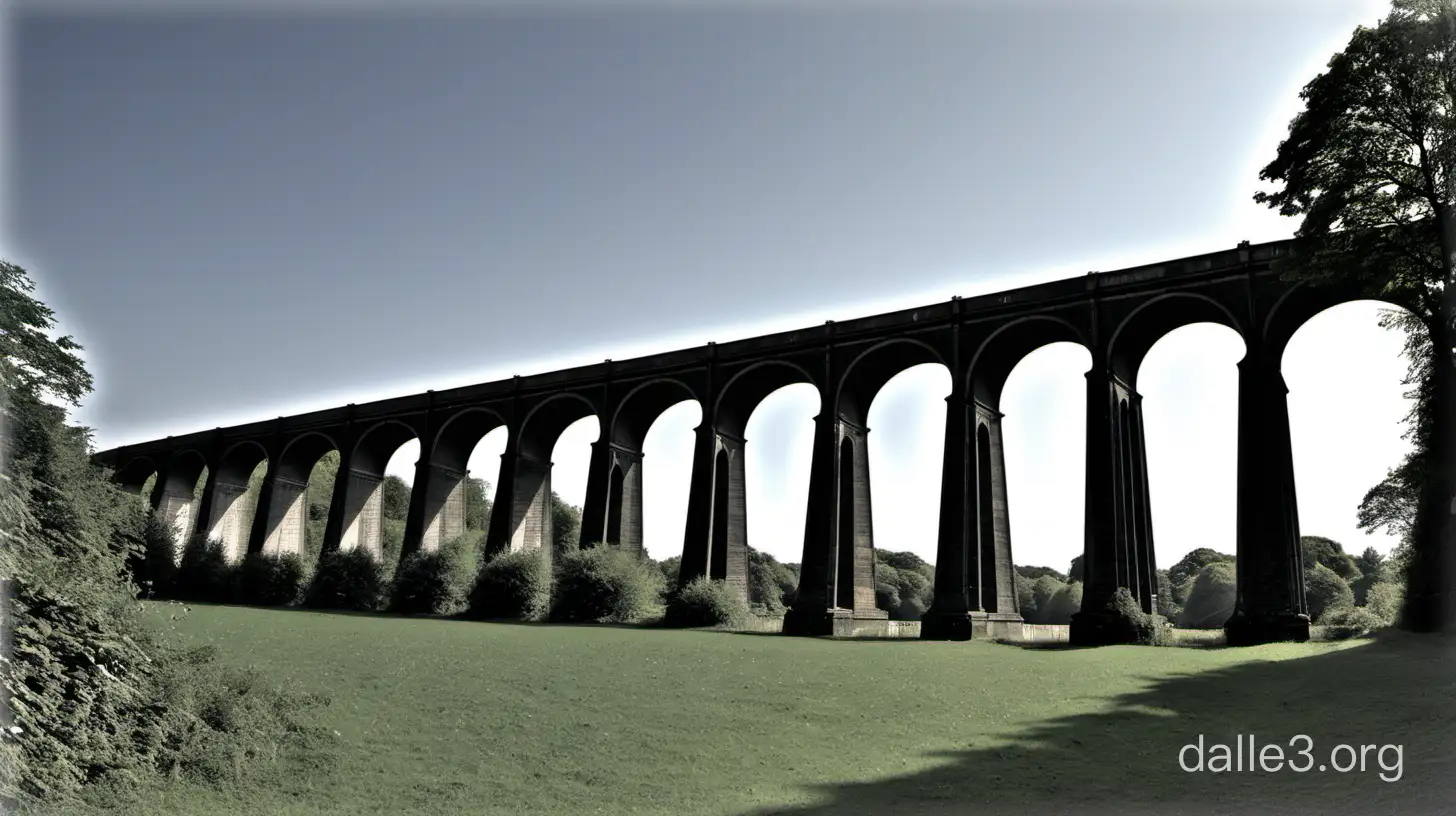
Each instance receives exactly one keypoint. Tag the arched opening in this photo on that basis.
(781, 431)
(1347, 407)
(459, 494)
(374, 502)
(235, 490)
(1189, 384)
(666, 484)
(176, 495)
(570, 469)
(907, 449)
(285, 527)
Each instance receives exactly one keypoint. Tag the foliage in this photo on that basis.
(345, 579)
(1033, 573)
(706, 602)
(904, 584)
(603, 584)
(152, 549)
(1043, 590)
(1371, 565)
(433, 583)
(1024, 602)
(1370, 167)
(1181, 574)
(565, 525)
(1351, 622)
(1168, 605)
(1324, 591)
(394, 497)
(391, 545)
(1320, 550)
(1384, 598)
(770, 583)
(1066, 603)
(1074, 572)
(514, 585)
(1211, 597)
(204, 574)
(1128, 623)
(477, 503)
(670, 568)
(269, 579)
(86, 680)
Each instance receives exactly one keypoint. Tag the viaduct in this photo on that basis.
(1117, 316)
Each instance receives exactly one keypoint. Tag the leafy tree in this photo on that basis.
(1043, 590)
(1025, 600)
(1325, 591)
(1371, 565)
(565, 525)
(1034, 573)
(1074, 572)
(670, 568)
(396, 498)
(477, 503)
(1370, 167)
(1168, 605)
(1066, 603)
(1384, 600)
(1210, 598)
(1320, 550)
(1182, 573)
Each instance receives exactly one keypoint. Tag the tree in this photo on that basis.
(1372, 569)
(1074, 572)
(1320, 550)
(1034, 573)
(1325, 591)
(1210, 598)
(1067, 602)
(396, 498)
(1370, 167)
(1181, 574)
(1043, 590)
(565, 525)
(477, 503)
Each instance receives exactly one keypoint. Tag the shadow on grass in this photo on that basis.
(1396, 689)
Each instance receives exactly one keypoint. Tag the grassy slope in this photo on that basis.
(440, 716)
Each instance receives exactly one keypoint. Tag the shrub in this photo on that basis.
(1211, 596)
(204, 574)
(705, 602)
(1063, 605)
(1325, 592)
(269, 579)
(153, 556)
(345, 579)
(1043, 590)
(1383, 599)
(1128, 623)
(431, 583)
(763, 590)
(1350, 622)
(513, 585)
(1025, 603)
(602, 584)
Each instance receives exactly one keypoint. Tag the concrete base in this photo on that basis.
(838, 622)
(1251, 630)
(971, 626)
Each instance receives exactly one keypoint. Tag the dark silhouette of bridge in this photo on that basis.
(1117, 316)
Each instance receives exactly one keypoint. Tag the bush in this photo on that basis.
(431, 583)
(1063, 605)
(1043, 590)
(1383, 599)
(204, 574)
(602, 584)
(153, 559)
(513, 585)
(269, 579)
(1325, 592)
(1211, 596)
(1128, 623)
(705, 602)
(1351, 622)
(345, 579)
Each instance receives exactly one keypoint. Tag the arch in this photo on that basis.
(230, 516)
(1303, 302)
(303, 452)
(376, 445)
(239, 461)
(1150, 321)
(184, 468)
(641, 407)
(175, 494)
(543, 424)
(743, 392)
(871, 369)
(134, 474)
(1000, 353)
(458, 436)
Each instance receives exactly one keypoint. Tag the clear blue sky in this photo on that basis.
(247, 215)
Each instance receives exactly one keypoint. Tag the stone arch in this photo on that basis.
(1150, 321)
(1303, 302)
(543, 424)
(439, 503)
(175, 494)
(361, 518)
(459, 435)
(868, 372)
(133, 475)
(640, 407)
(281, 524)
(746, 389)
(302, 452)
(1005, 348)
(230, 514)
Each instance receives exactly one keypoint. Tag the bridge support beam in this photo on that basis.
(716, 543)
(975, 585)
(613, 511)
(176, 508)
(837, 574)
(440, 493)
(224, 507)
(363, 513)
(280, 523)
(1270, 604)
(520, 519)
(1118, 551)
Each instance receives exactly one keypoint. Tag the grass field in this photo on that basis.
(441, 716)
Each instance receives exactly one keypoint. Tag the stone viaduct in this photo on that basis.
(1117, 316)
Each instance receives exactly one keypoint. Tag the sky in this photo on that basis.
(251, 213)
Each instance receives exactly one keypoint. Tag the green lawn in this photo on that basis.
(441, 716)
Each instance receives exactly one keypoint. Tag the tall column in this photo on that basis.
(521, 516)
(1270, 603)
(1110, 550)
(1142, 524)
(225, 519)
(855, 581)
(813, 611)
(175, 507)
(997, 585)
(613, 510)
(440, 492)
(698, 535)
(729, 562)
(949, 616)
(279, 525)
(363, 513)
